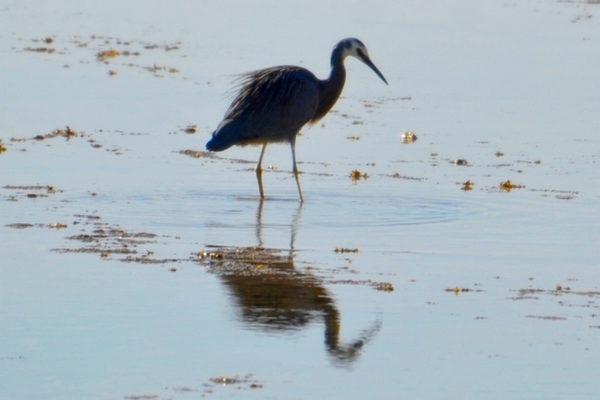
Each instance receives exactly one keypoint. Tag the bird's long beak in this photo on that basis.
(368, 61)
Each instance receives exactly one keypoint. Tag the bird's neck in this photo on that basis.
(331, 88)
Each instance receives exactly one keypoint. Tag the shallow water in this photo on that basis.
(109, 289)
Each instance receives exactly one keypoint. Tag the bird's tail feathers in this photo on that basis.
(225, 136)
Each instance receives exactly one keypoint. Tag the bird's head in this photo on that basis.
(355, 48)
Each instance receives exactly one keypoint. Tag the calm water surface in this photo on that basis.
(495, 293)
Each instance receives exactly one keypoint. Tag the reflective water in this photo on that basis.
(137, 274)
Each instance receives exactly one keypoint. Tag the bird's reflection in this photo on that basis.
(293, 226)
(273, 296)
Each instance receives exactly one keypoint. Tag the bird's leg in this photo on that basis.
(295, 169)
(258, 170)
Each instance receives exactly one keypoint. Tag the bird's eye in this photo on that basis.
(360, 53)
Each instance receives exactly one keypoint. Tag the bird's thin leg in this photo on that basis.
(295, 169)
(258, 170)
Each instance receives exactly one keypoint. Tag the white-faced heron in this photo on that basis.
(274, 103)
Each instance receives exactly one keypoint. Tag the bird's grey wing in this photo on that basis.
(272, 105)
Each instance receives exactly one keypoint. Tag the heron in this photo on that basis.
(273, 104)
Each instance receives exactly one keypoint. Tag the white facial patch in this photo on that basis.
(352, 47)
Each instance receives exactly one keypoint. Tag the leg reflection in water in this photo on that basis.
(272, 295)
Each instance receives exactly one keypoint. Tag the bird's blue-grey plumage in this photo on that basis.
(273, 104)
